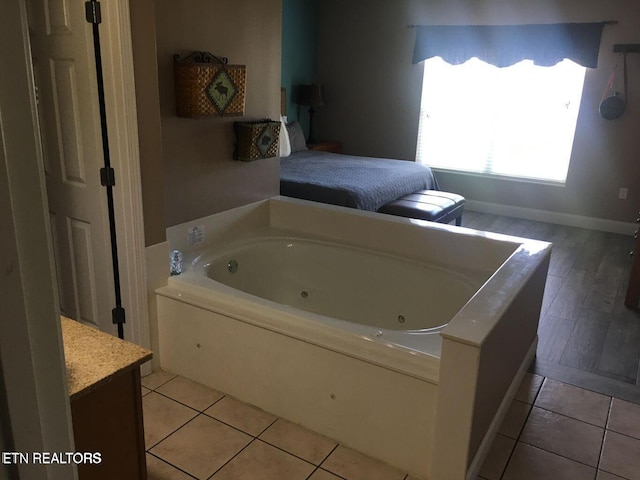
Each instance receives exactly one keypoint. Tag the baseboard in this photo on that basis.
(591, 223)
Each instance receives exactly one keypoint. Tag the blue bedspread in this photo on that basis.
(357, 182)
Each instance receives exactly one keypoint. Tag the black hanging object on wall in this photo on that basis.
(107, 174)
(614, 106)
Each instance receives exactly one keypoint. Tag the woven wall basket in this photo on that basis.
(255, 140)
(207, 87)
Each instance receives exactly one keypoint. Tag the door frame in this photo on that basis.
(31, 352)
(120, 102)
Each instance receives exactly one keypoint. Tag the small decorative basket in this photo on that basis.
(255, 140)
(207, 87)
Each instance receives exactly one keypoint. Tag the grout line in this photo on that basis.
(268, 427)
(154, 389)
(558, 455)
(563, 456)
(202, 412)
(231, 459)
(182, 403)
(623, 434)
(544, 379)
(287, 452)
(167, 436)
(169, 463)
(573, 418)
(254, 437)
(604, 435)
(233, 426)
(311, 474)
(329, 454)
(336, 475)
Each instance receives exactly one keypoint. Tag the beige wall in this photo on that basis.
(187, 166)
(373, 94)
(200, 175)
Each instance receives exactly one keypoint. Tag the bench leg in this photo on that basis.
(459, 221)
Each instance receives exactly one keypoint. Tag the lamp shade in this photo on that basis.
(312, 95)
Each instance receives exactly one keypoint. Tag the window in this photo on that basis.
(516, 121)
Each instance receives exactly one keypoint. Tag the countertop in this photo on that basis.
(93, 357)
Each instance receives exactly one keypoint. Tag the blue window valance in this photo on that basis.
(504, 45)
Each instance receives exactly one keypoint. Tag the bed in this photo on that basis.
(358, 182)
(393, 187)
(349, 181)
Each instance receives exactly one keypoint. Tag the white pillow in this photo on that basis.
(285, 144)
(296, 137)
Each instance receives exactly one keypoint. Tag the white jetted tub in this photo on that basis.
(402, 339)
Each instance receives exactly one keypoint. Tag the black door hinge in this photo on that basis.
(118, 316)
(92, 12)
(108, 177)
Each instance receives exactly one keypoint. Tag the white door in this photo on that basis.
(64, 69)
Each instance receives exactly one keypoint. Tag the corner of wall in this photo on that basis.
(157, 257)
(145, 63)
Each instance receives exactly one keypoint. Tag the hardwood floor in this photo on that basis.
(586, 336)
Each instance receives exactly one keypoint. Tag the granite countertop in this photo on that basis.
(94, 357)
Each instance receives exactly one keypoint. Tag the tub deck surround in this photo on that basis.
(426, 398)
(391, 318)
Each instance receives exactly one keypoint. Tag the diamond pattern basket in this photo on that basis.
(207, 87)
(255, 140)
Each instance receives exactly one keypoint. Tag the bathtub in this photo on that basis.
(402, 339)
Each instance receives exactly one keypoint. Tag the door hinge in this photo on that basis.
(92, 12)
(108, 177)
(118, 316)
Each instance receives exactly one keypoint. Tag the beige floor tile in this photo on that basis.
(299, 441)
(531, 463)
(563, 435)
(241, 416)
(353, 465)
(575, 402)
(260, 461)
(161, 416)
(607, 476)
(497, 458)
(529, 388)
(625, 418)
(514, 419)
(190, 393)
(144, 391)
(621, 456)
(159, 470)
(156, 379)
(324, 475)
(202, 446)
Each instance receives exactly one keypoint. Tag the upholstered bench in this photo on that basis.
(431, 205)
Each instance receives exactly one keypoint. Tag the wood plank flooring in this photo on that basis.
(586, 336)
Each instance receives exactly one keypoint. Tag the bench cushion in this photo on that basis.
(431, 205)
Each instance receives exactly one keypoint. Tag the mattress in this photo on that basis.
(365, 183)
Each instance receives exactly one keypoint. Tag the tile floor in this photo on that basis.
(552, 431)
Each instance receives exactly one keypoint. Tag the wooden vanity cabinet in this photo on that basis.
(109, 420)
